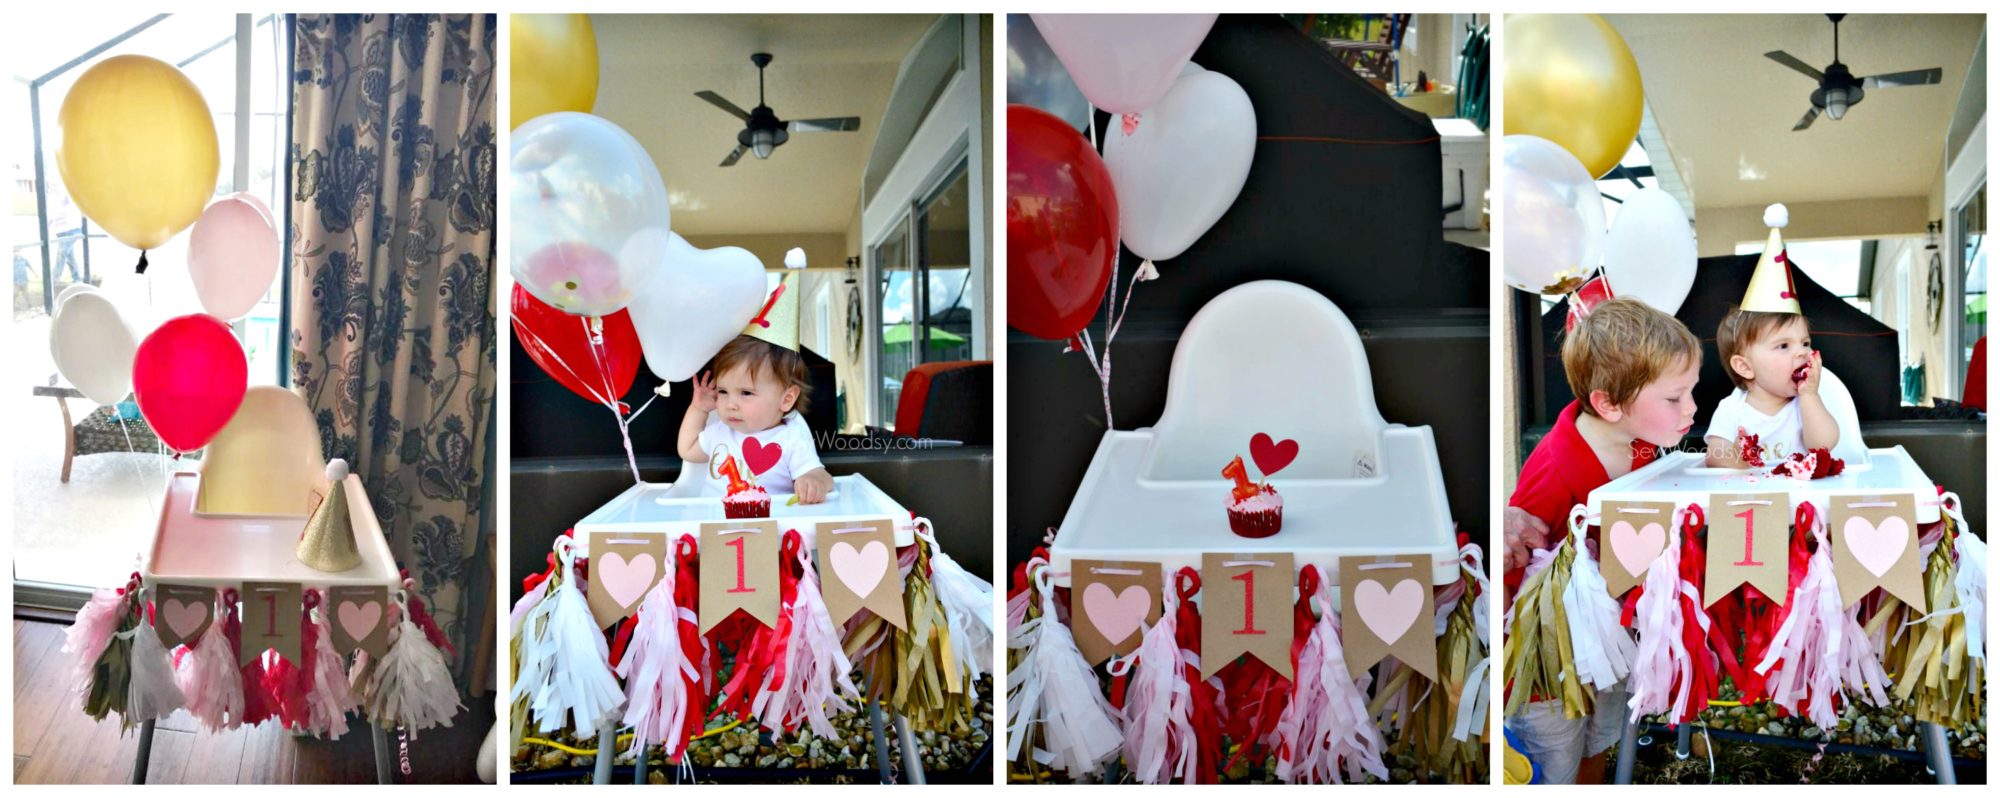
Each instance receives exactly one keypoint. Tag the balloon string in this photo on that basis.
(151, 509)
(612, 405)
(593, 330)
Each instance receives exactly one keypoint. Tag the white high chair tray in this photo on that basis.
(227, 550)
(1117, 515)
(648, 507)
(1680, 478)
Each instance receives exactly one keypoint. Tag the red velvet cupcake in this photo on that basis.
(1259, 515)
(753, 502)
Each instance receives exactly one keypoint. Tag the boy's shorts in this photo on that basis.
(1557, 744)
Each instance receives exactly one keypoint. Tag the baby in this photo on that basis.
(1777, 374)
(759, 388)
(1766, 348)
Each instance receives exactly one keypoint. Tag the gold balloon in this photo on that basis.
(137, 151)
(552, 66)
(1569, 78)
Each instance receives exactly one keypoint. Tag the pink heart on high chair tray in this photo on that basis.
(761, 456)
(1271, 456)
(1116, 615)
(1389, 613)
(358, 619)
(1876, 547)
(1637, 548)
(183, 617)
(859, 569)
(625, 580)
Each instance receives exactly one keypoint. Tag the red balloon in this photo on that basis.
(189, 377)
(1062, 226)
(560, 343)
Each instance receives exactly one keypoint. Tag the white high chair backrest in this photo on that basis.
(266, 460)
(1272, 357)
(1833, 393)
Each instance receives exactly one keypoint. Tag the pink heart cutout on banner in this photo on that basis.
(1637, 548)
(761, 456)
(1116, 615)
(625, 580)
(1271, 456)
(1389, 613)
(859, 569)
(359, 618)
(183, 617)
(1877, 548)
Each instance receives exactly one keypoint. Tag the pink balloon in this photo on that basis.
(232, 257)
(259, 202)
(577, 277)
(1124, 63)
(189, 376)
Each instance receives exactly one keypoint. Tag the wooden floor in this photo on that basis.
(55, 743)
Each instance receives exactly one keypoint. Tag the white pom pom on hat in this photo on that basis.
(1777, 216)
(336, 470)
(795, 258)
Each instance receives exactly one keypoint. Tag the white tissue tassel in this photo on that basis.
(565, 664)
(1055, 693)
(152, 694)
(1603, 649)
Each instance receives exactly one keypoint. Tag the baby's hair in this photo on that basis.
(1622, 346)
(756, 354)
(1741, 329)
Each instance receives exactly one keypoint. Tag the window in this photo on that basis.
(111, 499)
(1972, 235)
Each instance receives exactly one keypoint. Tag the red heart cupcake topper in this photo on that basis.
(1272, 456)
(761, 456)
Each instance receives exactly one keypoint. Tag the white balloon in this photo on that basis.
(590, 216)
(701, 299)
(1552, 223)
(93, 347)
(1649, 254)
(72, 290)
(1182, 165)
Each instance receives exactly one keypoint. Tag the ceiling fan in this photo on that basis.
(763, 131)
(1839, 89)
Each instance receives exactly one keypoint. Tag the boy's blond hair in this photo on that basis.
(1743, 328)
(1620, 347)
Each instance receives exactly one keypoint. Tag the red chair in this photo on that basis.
(952, 400)
(1975, 377)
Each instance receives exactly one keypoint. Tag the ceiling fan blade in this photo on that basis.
(734, 155)
(1914, 77)
(717, 101)
(1807, 120)
(832, 124)
(1801, 67)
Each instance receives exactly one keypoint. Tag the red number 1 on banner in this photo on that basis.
(1749, 537)
(738, 545)
(1249, 580)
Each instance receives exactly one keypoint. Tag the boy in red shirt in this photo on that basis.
(1633, 371)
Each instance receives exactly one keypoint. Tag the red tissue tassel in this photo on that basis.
(1702, 681)
(687, 596)
(760, 659)
(257, 702)
(289, 683)
(423, 619)
(1257, 694)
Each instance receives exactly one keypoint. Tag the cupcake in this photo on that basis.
(751, 502)
(1815, 464)
(744, 498)
(1255, 511)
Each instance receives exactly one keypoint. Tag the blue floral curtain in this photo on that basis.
(392, 153)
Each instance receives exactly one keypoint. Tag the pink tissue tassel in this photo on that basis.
(1158, 715)
(1661, 665)
(87, 638)
(208, 676)
(654, 668)
(1325, 728)
(1821, 648)
(817, 683)
(330, 698)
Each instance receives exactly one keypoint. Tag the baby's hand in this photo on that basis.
(1810, 387)
(704, 391)
(812, 488)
